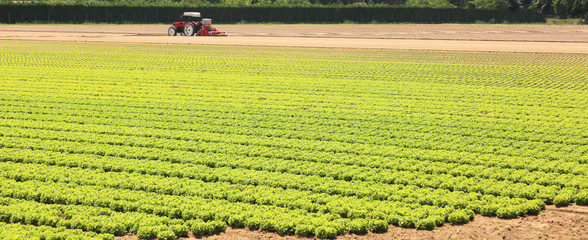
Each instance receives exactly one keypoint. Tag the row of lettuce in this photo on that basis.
(212, 163)
(104, 221)
(115, 144)
(388, 143)
(353, 165)
(260, 195)
(291, 144)
(187, 206)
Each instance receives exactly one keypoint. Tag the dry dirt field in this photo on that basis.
(554, 223)
(494, 38)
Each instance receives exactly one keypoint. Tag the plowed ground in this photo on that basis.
(493, 38)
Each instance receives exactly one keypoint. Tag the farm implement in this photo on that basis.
(192, 24)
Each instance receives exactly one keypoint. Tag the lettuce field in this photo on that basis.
(99, 140)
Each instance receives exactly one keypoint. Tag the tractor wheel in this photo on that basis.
(189, 29)
(172, 31)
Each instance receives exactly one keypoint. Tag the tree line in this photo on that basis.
(295, 11)
(560, 8)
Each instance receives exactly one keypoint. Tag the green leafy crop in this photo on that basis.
(100, 140)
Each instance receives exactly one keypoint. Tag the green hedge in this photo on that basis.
(71, 13)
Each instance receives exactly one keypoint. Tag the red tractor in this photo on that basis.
(192, 24)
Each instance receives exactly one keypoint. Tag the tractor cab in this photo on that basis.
(191, 17)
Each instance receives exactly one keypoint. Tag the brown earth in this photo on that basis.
(450, 37)
(554, 223)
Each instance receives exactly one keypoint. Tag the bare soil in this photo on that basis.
(493, 38)
(554, 223)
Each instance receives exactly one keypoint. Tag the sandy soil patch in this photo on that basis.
(536, 33)
(493, 38)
